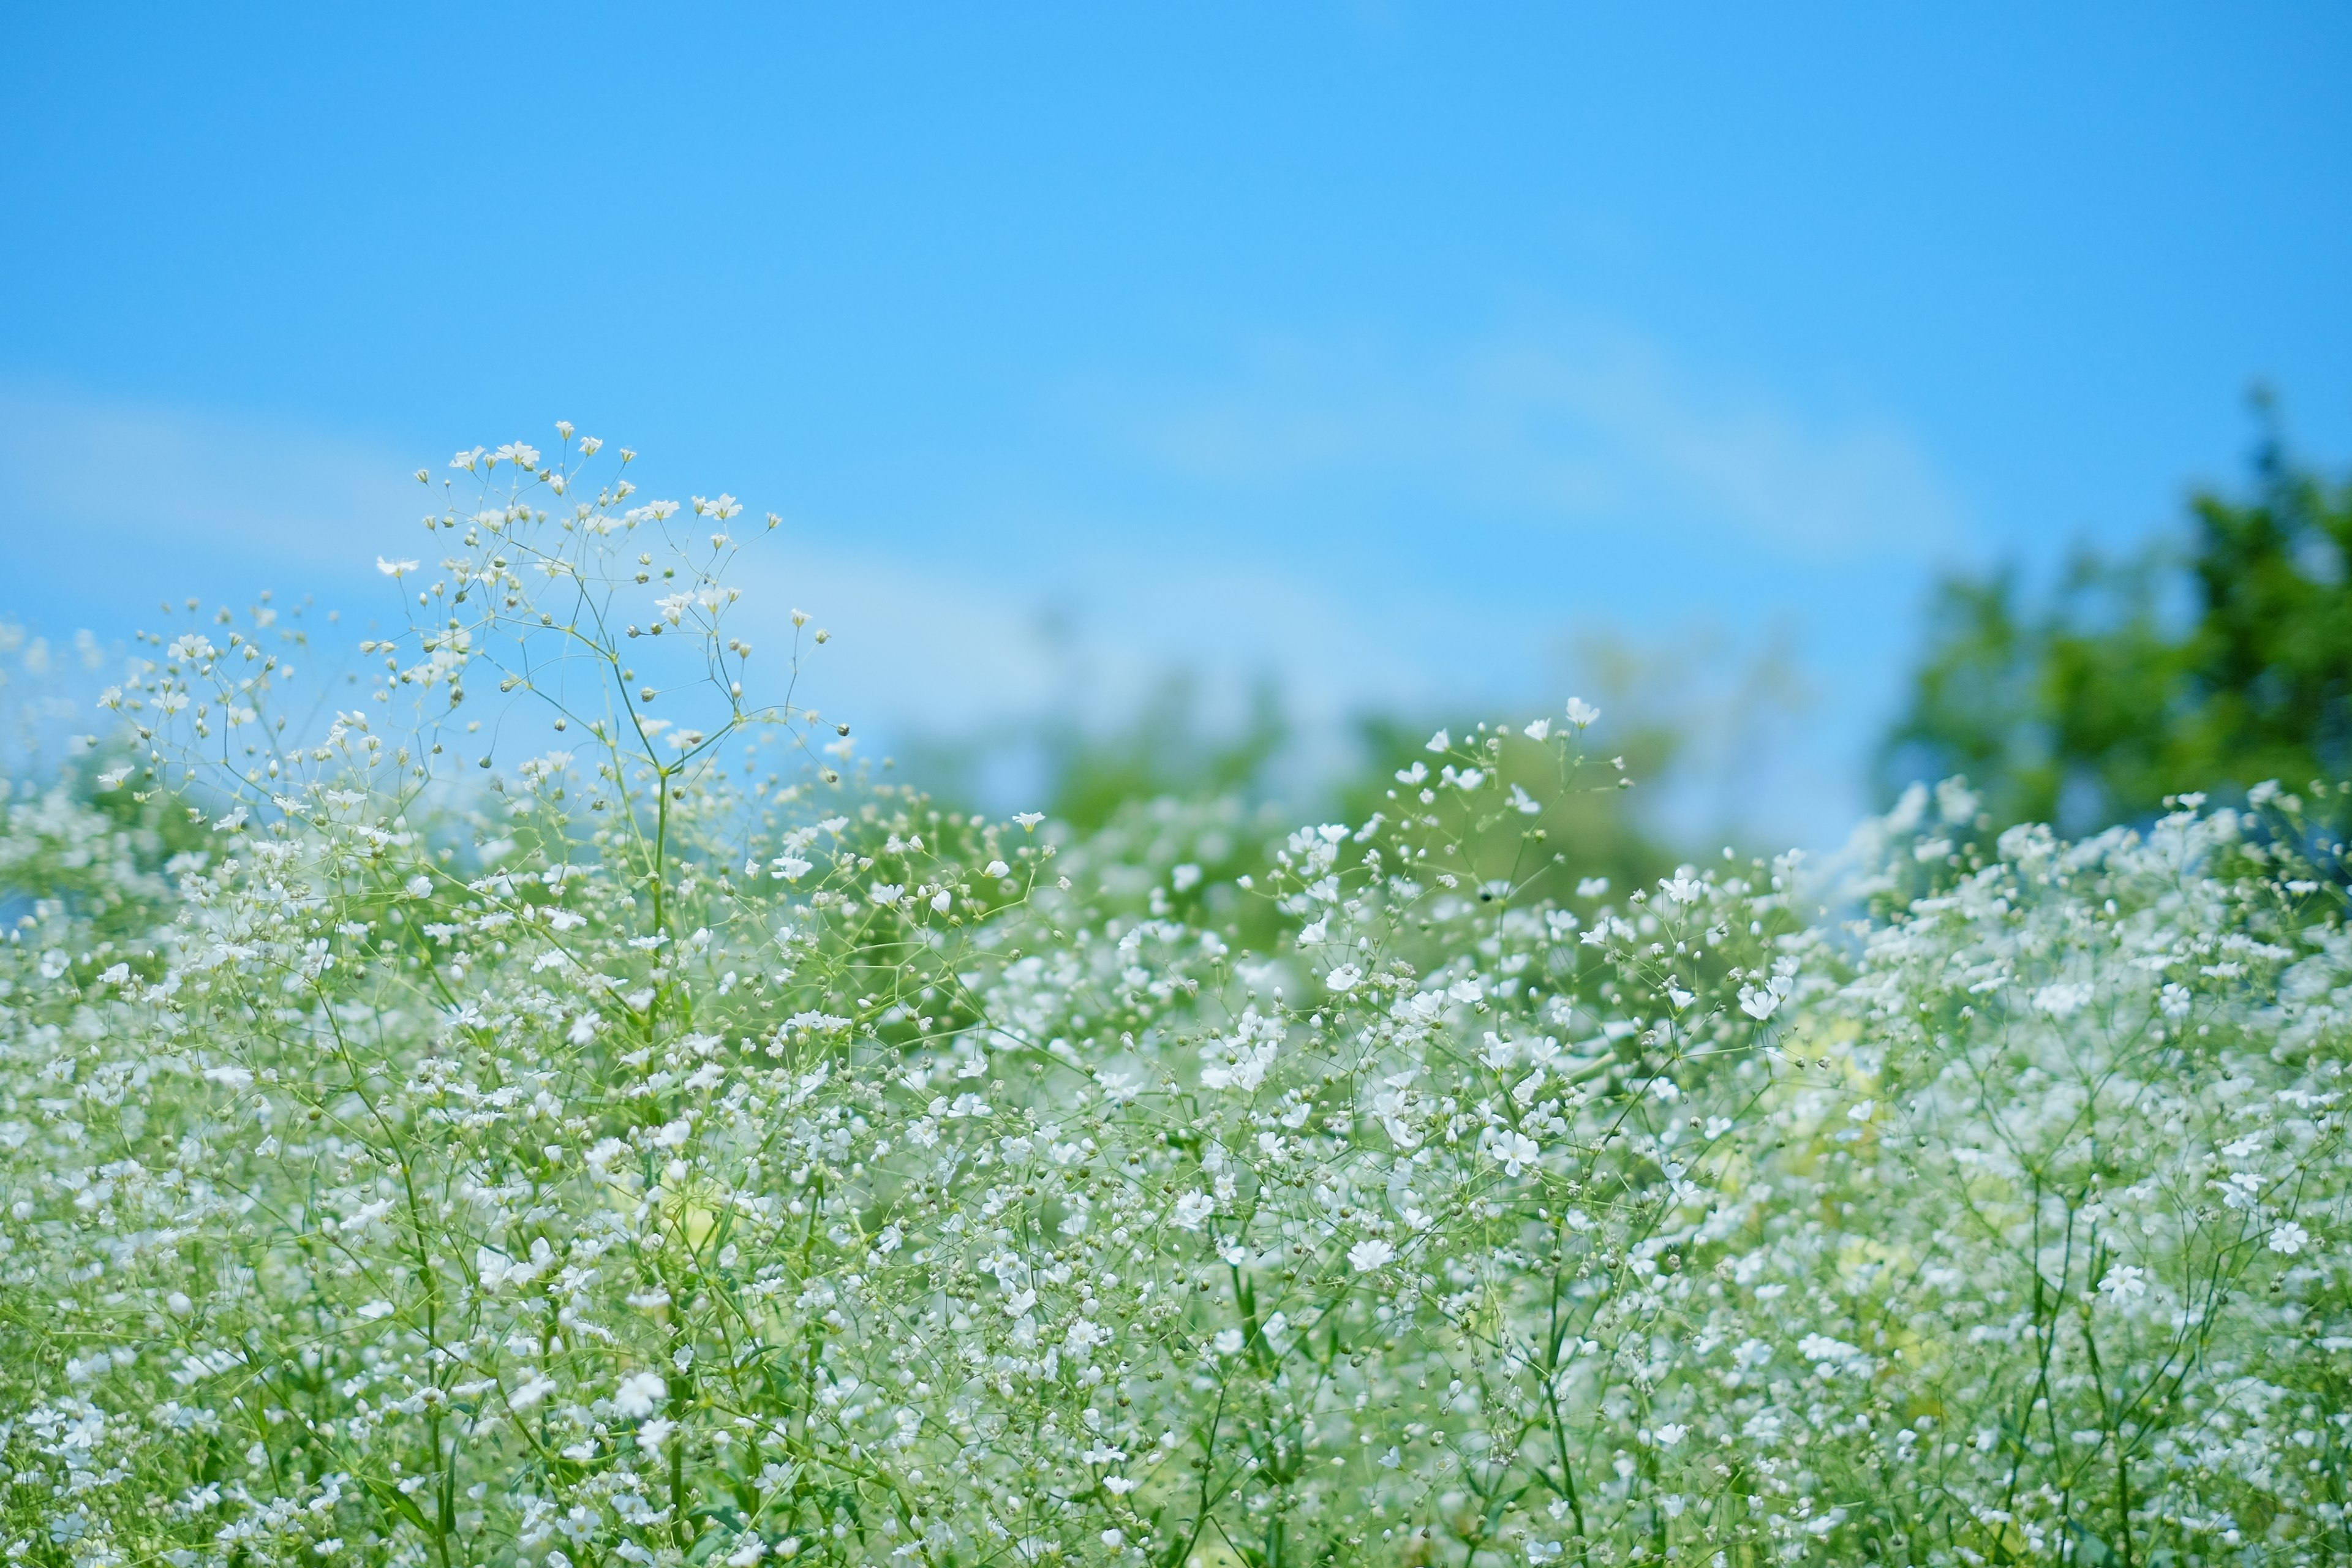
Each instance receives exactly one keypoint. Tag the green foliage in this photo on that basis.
(1164, 751)
(1583, 830)
(2094, 707)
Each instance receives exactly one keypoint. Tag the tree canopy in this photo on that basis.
(2210, 660)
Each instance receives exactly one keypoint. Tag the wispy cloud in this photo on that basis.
(1573, 428)
(154, 485)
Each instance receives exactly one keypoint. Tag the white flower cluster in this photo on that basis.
(638, 1158)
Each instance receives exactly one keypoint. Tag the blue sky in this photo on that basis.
(1396, 351)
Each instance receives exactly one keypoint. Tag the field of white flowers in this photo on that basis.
(668, 1150)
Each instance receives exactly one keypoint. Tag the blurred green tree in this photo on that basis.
(1584, 826)
(2210, 662)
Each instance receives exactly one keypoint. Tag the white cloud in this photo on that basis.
(154, 482)
(1580, 428)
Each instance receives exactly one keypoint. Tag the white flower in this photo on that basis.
(1192, 1211)
(2124, 1281)
(1515, 1151)
(998, 868)
(2063, 1000)
(1582, 714)
(534, 1387)
(1028, 819)
(640, 1393)
(2289, 1239)
(1246, 1071)
(1184, 878)
(395, 568)
(1227, 1343)
(1370, 1254)
(1537, 728)
(1439, 741)
(1346, 977)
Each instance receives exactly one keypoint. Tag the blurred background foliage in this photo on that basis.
(2211, 659)
(2215, 656)
(1589, 822)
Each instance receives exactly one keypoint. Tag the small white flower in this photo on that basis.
(1346, 977)
(1582, 714)
(1227, 1343)
(640, 1393)
(1028, 819)
(1515, 1151)
(1439, 741)
(1192, 1211)
(395, 568)
(2063, 1000)
(1537, 728)
(2124, 1281)
(1369, 1255)
(2289, 1239)
(998, 868)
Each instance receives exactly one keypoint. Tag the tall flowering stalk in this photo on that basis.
(640, 1156)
